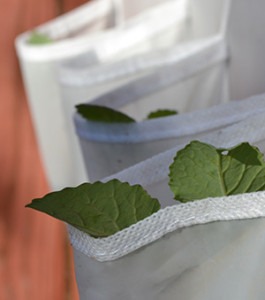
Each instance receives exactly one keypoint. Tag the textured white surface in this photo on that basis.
(202, 250)
(109, 148)
(218, 260)
(169, 219)
(177, 126)
(153, 175)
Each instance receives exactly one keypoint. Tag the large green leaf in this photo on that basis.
(200, 171)
(99, 209)
(160, 113)
(102, 114)
(37, 38)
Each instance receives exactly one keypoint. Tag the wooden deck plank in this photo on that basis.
(33, 247)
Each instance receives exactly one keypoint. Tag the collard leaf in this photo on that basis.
(200, 171)
(162, 113)
(99, 209)
(37, 38)
(104, 114)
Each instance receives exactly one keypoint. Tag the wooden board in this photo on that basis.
(35, 257)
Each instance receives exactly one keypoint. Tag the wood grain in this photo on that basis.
(34, 251)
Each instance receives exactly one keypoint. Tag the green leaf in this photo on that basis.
(37, 38)
(161, 113)
(200, 171)
(99, 209)
(104, 114)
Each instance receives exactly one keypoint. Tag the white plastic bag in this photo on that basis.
(80, 31)
(201, 250)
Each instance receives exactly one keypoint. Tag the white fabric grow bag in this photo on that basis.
(204, 85)
(81, 31)
(109, 148)
(194, 51)
(202, 250)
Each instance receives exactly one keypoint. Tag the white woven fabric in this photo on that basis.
(109, 148)
(154, 170)
(218, 260)
(202, 250)
(244, 206)
(177, 126)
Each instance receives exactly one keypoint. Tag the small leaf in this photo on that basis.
(99, 209)
(102, 114)
(161, 113)
(200, 171)
(37, 38)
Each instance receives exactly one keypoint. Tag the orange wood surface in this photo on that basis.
(35, 256)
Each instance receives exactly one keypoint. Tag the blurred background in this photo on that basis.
(35, 258)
